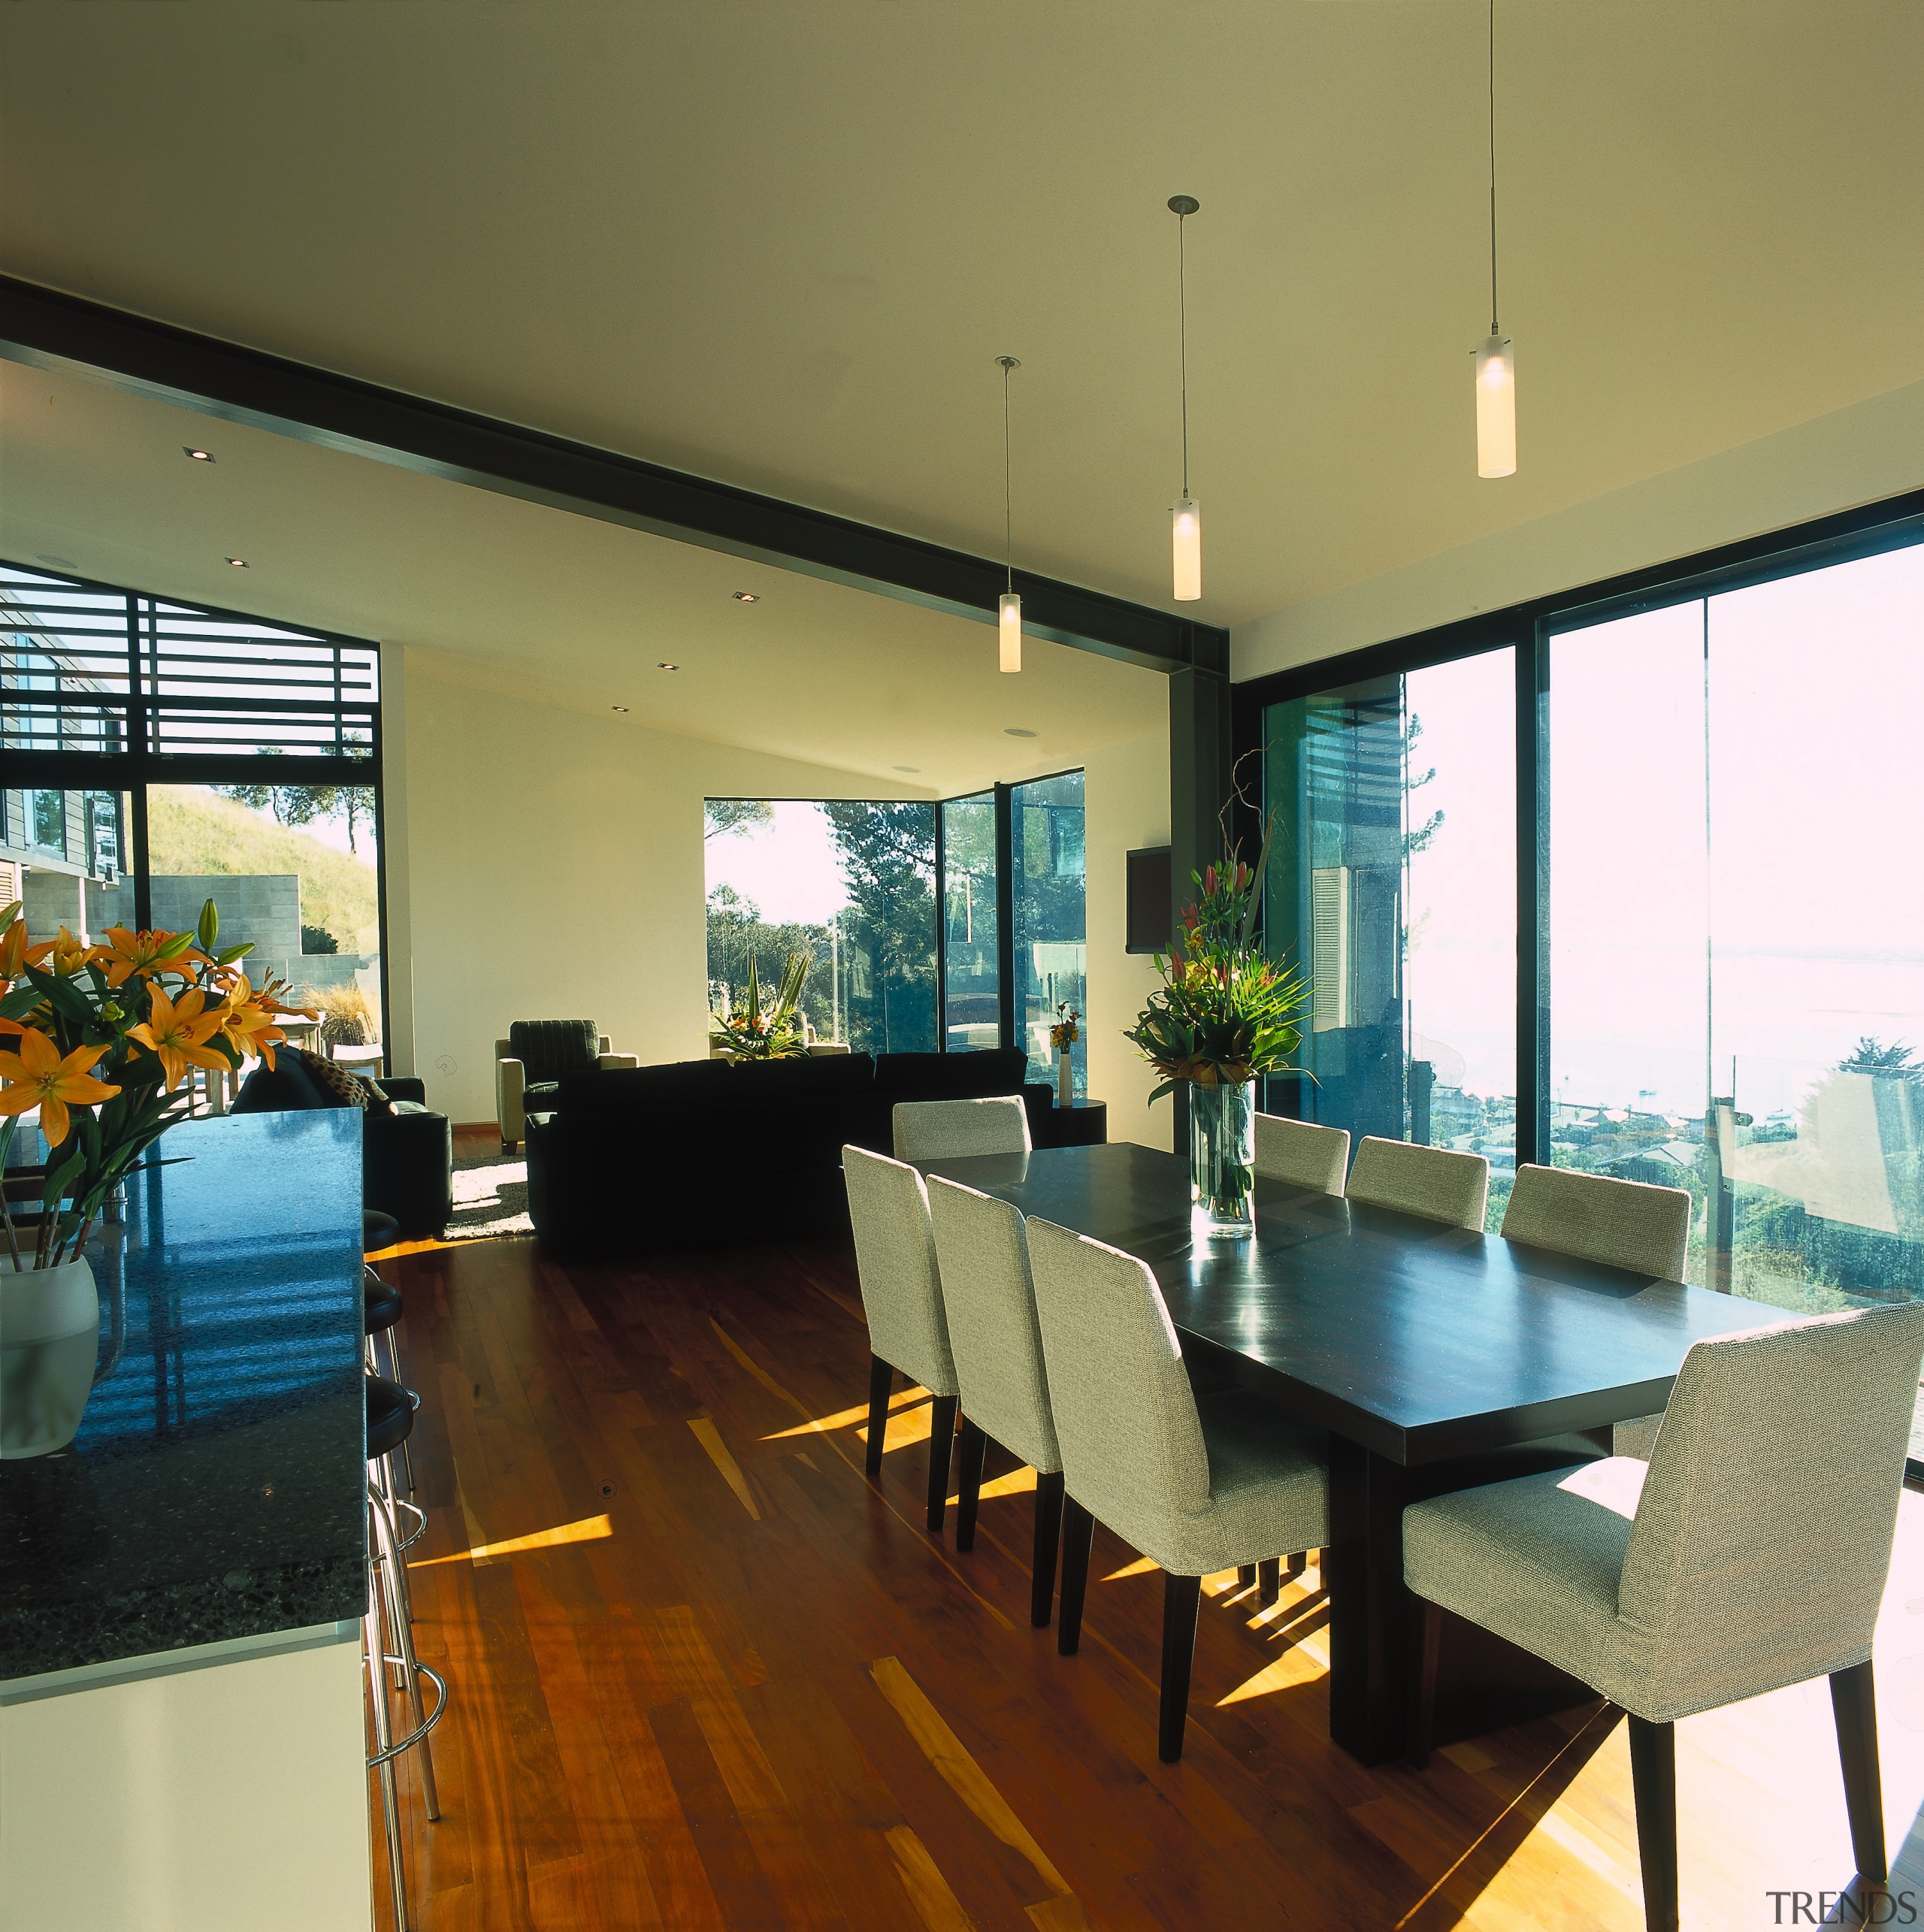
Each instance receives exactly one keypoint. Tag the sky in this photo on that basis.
(1748, 927)
(790, 869)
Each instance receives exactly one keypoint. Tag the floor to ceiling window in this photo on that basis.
(1049, 911)
(971, 966)
(1392, 887)
(908, 935)
(1737, 968)
(848, 883)
(156, 754)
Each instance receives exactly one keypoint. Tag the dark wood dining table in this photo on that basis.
(1436, 1357)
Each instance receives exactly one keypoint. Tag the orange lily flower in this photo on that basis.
(248, 1025)
(69, 954)
(13, 950)
(130, 952)
(179, 1034)
(36, 1076)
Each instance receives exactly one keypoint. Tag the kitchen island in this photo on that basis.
(181, 1734)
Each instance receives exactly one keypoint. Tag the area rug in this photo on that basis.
(490, 1198)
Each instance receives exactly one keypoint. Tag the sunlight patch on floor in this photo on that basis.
(1142, 1567)
(589, 1529)
(844, 1418)
(1017, 1483)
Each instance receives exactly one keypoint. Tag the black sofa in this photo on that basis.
(407, 1155)
(709, 1154)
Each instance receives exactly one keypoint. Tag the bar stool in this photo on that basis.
(381, 1307)
(389, 1621)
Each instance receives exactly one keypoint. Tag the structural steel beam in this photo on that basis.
(47, 329)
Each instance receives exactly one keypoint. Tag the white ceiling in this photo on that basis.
(781, 244)
(526, 599)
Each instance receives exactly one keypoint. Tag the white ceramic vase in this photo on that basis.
(49, 1334)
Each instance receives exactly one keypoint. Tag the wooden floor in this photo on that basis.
(704, 1676)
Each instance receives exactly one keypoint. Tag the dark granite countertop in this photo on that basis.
(216, 1488)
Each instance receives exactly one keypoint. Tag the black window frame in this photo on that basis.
(129, 770)
(1895, 523)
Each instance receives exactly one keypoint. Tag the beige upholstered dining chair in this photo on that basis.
(1300, 1154)
(953, 1130)
(1436, 1183)
(1750, 1552)
(888, 1208)
(1627, 1223)
(1196, 1483)
(983, 1254)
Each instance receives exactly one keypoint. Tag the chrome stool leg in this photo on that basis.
(382, 1759)
(410, 1671)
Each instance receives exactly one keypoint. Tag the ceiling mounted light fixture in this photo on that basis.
(1496, 357)
(1185, 516)
(199, 455)
(746, 597)
(239, 563)
(665, 666)
(1016, 731)
(1009, 605)
(618, 707)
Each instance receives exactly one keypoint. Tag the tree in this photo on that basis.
(1894, 1062)
(887, 849)
(722, 816)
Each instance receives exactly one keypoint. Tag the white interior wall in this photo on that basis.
(1126, 796)
(1861, 454)
(547, 864)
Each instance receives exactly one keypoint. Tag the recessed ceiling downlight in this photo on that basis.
(746, 597)
(905, 768)
(239, 563)
(665, 666)
(621, 708)
(199, 455)
(1016, 731)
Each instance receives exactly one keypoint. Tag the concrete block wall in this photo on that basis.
(263, 907)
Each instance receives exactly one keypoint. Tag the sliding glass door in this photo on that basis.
(1048, 903)
(972, 979)
(1392, 887)
(1736, 969)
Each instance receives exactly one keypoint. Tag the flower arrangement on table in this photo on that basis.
(776, 1033)
(1224, 1014)
(100, 1038)
(1065, 1032)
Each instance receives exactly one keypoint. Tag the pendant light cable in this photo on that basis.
(1493, 329)
(1009, 364)
(1182, 327)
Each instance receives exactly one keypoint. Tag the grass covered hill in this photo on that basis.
(192, 831)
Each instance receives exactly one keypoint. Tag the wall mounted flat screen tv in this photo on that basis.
(1146, 918)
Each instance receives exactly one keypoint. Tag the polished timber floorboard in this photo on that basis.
(704, 1676)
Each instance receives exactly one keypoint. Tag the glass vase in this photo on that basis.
(1222, 1160)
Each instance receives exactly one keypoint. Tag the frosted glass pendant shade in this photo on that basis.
(1186, 524)
(1496, 407)
(1008, 631)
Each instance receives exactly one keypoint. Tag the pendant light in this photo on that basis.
(1496, 357)
(1008, 607)
(1185, 516)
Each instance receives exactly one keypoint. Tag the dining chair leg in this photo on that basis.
(1294, 1564)
(1245, 1576)
(969, 1483)
(1049, 1535)
(1181, 1597)
(1079, 1533)
(882, 1379)
(1853, 1704)
(1423, 1683)
(1269, 1581)
(1653, 1776)
(941, 1450)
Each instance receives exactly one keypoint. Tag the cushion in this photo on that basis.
(543, 1097)
(338, 1086)
(975, 1076)
(549, 1048)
